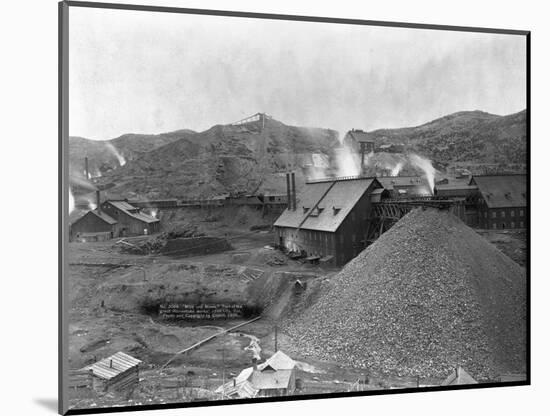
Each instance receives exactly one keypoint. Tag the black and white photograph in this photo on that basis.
(258, 208)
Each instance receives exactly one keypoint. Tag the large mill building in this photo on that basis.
(328, 219)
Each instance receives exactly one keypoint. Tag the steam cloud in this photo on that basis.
(71, 201)
(348, 162)
(426, 165)
(114, 151)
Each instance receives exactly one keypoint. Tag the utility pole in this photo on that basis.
(223, 366)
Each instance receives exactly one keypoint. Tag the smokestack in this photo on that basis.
(98, 201)
(288, 199)
(293, 191)
(86, 167)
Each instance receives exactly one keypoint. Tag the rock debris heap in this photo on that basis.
(428, 295)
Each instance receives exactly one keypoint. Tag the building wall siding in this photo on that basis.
(503, 218)
(90, 223)
(128, 225)
(343, 245)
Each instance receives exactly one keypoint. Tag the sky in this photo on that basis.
(152, 72)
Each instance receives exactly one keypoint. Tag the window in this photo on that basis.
(521, 224)
(513, 213)
(502, 214)
(494, 214)
(521, 213)
(512, 224)
(494, 225)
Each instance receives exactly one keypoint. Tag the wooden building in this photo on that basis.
(95, 225)
(468, 194)
(117, 373)
(131, 221)
(502, 201)
(275, 377)
(329, 220)
(405, 186)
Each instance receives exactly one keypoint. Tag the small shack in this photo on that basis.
(459, 376)
(117, 373)
(275, 377)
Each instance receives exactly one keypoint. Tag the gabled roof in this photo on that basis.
(326, 195)
(101, 215)
(132, 211)
(459, 376)
(500, 191)
(278, 361)
(271, 380)
(113, 366)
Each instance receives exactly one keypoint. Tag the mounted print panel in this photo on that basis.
(263, 207)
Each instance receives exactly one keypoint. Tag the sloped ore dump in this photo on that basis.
(428, 295)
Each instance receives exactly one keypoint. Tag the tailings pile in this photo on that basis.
(428, 295)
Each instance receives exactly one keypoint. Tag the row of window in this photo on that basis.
(512, 224)
(502, 213)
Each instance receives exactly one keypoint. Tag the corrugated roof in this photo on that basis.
(279, 361)
(340, 194)
(133, 211)
(271, 379)
(120, 361)
(500, 191)
(459, 376)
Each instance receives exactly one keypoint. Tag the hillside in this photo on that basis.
(225, 158)
(466, 136)
(102, 157)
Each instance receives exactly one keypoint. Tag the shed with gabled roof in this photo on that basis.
(93, 226)
(119, 372)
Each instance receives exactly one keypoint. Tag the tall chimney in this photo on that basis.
(86, 167)
(98, 201)
(288, 199)
(293, 191)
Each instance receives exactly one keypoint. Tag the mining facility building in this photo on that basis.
(333, 219)
(112, 219)
(329, 219)
(503, 200)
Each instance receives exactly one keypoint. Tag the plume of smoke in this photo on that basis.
(71, 201)
(397, 168)
(118, 155)
(348, 162)
(426, 165)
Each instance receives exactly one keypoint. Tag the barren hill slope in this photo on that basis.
(473, 136)
(225, 158)
(102, 157)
